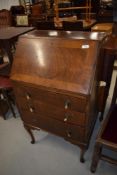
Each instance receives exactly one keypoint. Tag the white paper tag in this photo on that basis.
(85, 46)
(102, 83)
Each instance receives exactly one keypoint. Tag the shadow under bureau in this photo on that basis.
(55, 79)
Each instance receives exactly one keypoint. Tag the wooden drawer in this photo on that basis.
(54, 126)
(47, 110)
(56, 99)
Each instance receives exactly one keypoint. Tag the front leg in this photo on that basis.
(30, 133)
(83, 150)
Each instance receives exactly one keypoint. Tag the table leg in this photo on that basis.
(8, 48)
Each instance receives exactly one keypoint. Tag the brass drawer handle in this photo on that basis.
(28, 96)
(69, 134)
(66, 118)
(31, 109)
(67, 104)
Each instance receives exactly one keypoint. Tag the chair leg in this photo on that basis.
(2, 113)
(83, 150)
(3, 107)
(6, 96)
(101, 116)
(96, 157)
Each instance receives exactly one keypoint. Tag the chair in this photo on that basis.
(73, 26)
(37, 9)
(5, 18)
(6, 93)
(107, 136)
(38, 13)
(45, 25)
(16, 10)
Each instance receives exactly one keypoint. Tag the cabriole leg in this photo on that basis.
(83, 150)
(30, 133)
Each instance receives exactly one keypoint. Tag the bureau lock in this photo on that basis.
(31, 109)
(28, 97)
(66, 118)
(67, 104)
(69, 133)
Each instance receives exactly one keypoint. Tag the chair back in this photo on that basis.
(45, 25)
(5, 18)
(37, 9)
(17, 10)
(114, 98)
(73, 26)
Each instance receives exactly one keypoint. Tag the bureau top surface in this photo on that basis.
(65, 64)
(97, 36)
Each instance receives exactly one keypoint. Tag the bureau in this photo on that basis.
(55, 79)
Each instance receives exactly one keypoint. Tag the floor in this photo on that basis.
(51, 155)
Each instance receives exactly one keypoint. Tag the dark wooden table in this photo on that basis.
(8, 36)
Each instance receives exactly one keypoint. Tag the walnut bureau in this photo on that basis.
(55, 79)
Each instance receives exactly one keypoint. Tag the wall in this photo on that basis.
(6, 4)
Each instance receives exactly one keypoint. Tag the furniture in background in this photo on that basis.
(105, 16)
(15, 11)
(56, 83)
(107, 56)
(102, 27)
(65, 4)
(75, 11)
(86, 25)
(114, 30)
(5, 18)
(38, 13)
(73, 26)
(37, 9)
(1, 56)
(45, 25)
(22, 20)
(8, 37)
(4, 66)
(86, 6)
(6, 94)
(107, 136)
(105, 13)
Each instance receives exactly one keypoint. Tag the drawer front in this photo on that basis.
(47, 110)
(54, 126)
(56, 99)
